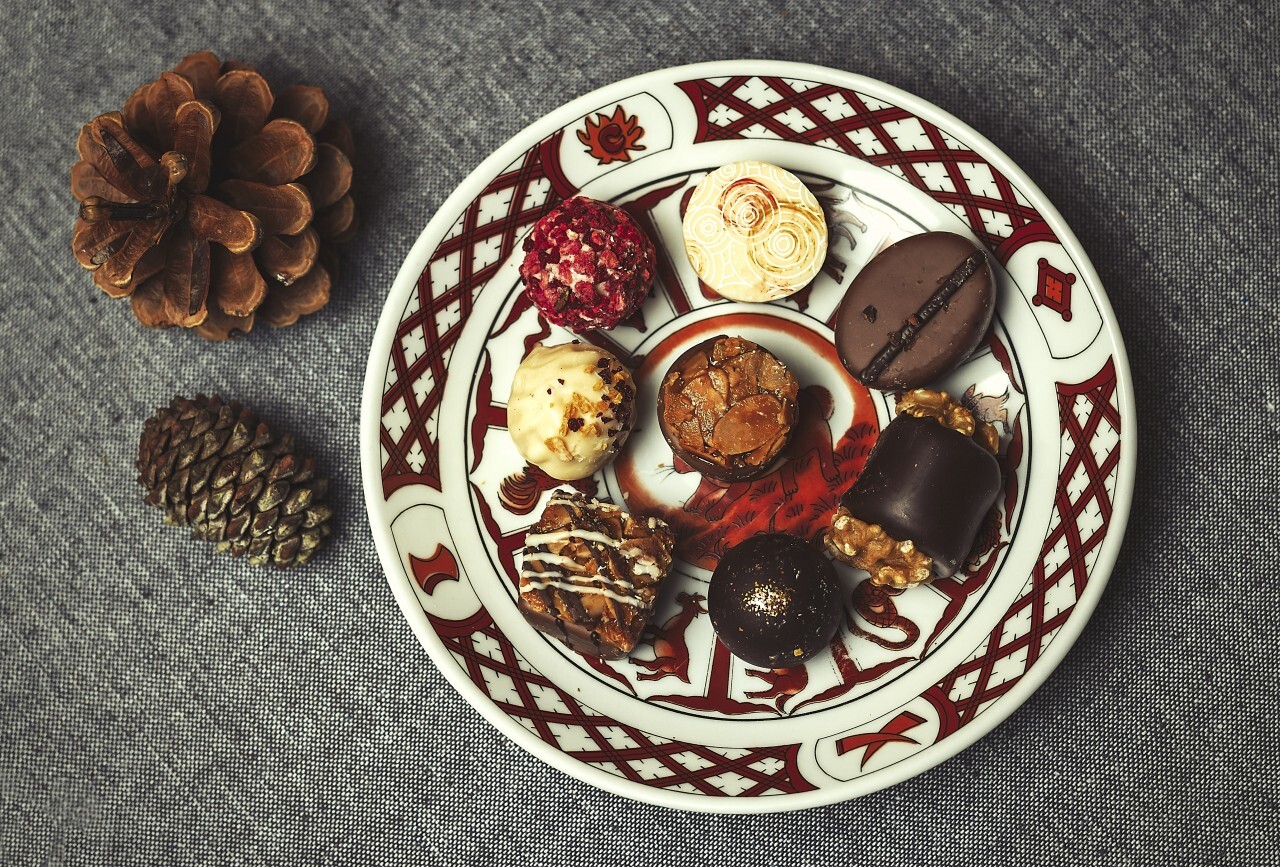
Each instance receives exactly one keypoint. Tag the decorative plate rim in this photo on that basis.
(377, 503)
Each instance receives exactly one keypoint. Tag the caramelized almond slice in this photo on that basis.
(282, 210)
(729, 347)
(245, 100)
(708, 404)
(287, 258)
(282, 152)
(330, 180)
(744, 375)
(690, 434)
(767, 452)
(748, 425)
(677, 409)
(775, 377)
(212, 220)
(201, 69)
(164, 96)
(695, 364)
(720, 382)
(307, 105)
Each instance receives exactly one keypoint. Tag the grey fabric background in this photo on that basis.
(161, 704)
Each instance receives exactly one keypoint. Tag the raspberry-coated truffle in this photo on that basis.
(587, 265)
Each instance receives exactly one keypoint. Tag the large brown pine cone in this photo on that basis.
(213, 467)
(211, 202)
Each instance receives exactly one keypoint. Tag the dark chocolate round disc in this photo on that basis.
(774, 600)
(916, 311)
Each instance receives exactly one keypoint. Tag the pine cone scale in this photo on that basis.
(246, 103)
(282, 210)
(307, 105)
(280, 154)
(163, 98)
(194, 124)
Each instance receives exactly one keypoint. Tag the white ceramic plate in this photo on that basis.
(912, 678)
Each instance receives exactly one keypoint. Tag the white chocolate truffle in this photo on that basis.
(754, 232)
(571, 408)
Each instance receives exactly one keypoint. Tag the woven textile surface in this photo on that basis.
(163, 704)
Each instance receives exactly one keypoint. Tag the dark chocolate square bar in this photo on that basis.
(590, 574)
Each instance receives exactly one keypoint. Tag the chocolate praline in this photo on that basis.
(915, 311)
(929, 484)
(727, 407)
(774, 600)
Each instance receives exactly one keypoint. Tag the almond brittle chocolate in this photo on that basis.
(590, 574)
(727, 407)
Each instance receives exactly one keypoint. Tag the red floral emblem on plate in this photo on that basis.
(612, 138)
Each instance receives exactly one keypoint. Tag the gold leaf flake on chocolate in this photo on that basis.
(754, 232)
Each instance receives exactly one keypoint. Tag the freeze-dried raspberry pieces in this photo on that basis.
(587, 265)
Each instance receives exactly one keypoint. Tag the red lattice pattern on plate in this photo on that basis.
(1090, 421)
(491, 226)
(842, 119)
(1028, 627)
(493, 664)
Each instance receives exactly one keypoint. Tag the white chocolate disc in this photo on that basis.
(754, 232)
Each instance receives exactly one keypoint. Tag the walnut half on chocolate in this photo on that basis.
(727, 407)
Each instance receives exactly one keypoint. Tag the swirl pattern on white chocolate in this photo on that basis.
(754, 232)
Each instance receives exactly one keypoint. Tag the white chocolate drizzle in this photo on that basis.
(534, 576)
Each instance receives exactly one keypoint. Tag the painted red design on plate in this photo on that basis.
(799, 497)
(1053, 289)
(1085, 410)
(484, 235)
(483, 238)
(894, 732)
(670, 650)
(494, 665)
(884, 135)
(440, 566)
(612, 138)
(874, 604)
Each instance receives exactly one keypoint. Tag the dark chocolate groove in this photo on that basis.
(903, 338)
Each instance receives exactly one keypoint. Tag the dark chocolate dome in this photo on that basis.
(774, 600)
